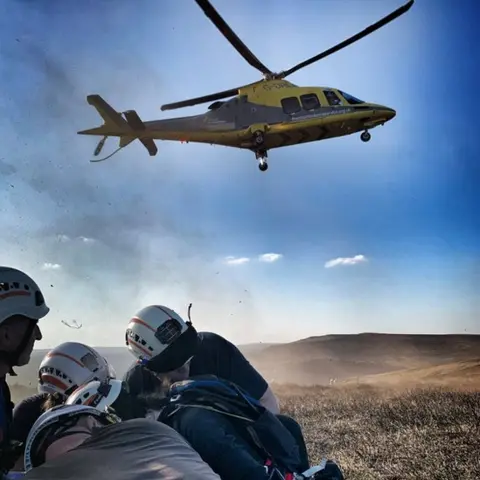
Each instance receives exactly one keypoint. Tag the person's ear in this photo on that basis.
(4, 335)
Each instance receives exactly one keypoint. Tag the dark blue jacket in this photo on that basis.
(262, 428)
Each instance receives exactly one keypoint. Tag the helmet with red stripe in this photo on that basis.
(21, 302)
(99, 395)
(152, 330)
(71, 365)
(20, 295)
(161, 338)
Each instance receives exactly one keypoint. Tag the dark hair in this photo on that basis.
(156, 399)
(27, 412)
(52, 400)
(142, 381)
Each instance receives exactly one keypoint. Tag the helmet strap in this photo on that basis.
(176, 354)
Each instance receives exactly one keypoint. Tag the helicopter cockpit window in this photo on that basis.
(291, 105)
(309, 101)
(332, 98)
(350, 98)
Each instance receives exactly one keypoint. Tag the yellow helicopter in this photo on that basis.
(263, 115)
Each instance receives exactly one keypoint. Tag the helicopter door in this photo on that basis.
(244, 116)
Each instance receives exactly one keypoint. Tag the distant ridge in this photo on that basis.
(320, 359)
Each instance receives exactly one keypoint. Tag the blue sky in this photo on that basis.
(105, 239)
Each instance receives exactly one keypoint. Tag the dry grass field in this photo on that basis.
(379, 433)
(375, 433)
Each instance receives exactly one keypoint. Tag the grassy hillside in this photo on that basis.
(457, 375)
(316, 360)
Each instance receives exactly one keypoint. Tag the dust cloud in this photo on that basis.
(141, 250)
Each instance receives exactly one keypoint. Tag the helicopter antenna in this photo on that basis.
(108, 156)
(99, 148)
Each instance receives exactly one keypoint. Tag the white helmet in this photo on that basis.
(99, 395)
(20, 295)
(152, 330)
(69, 366)
(52, 421)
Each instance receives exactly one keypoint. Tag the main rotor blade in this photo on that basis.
(349, 41)
(231, 36)
(206, 98)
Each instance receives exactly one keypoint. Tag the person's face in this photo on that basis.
(173, 376)
(83, 430)
(12, 334)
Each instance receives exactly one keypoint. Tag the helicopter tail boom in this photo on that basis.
(128, 129)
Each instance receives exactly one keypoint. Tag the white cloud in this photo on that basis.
(51, 266)
(65, 238)
(265, 258)
(236, 260)
(270, 257)
(346, 261)
(87, 240)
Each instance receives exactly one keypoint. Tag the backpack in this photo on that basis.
(261, 428)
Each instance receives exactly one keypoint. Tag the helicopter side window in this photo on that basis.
(309, 101)
(350, 98)
(291, 105)
(332, 98)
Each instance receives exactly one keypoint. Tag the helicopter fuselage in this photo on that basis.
(287, 115)
(264, 115)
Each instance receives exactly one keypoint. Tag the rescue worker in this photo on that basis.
(170, 347)
(22, 305)
(63, 370)
(219, 441)
(237, 437)
(76, 442)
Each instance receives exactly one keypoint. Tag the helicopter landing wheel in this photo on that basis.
(261, 156)
(365, 136)
(258, 138)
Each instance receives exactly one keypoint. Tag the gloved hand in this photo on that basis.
(325, 470)
(330, 472)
